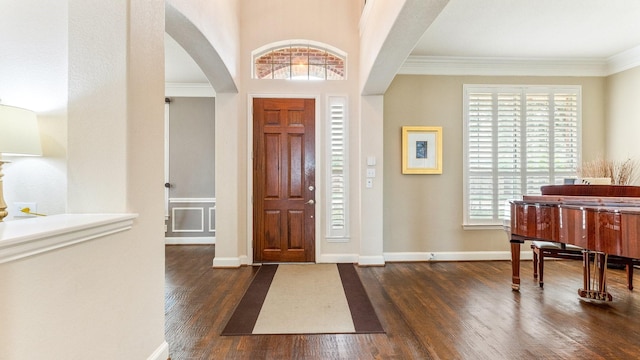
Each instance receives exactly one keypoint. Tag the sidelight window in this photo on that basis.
(337, 209)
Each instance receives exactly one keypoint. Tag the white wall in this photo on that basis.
(33, 75)
(623, 114)
(333, 22)
(102, 299)
(209, 17)
(209, 32)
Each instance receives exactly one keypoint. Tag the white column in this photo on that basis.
(97, 112)
(371, 198)
(229, 183)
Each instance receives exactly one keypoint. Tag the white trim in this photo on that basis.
(320, 168)
(488, 66)
(623, 61)
(364, 17)
(338, 239)
(161, 353)
(189, 90)
(167, 112)
(226, 262)
(337, 258)
(250, 176)
(212, 224)
(192, 200)
(295, 42)
(173, 220)
(455, 256)
(377, 260)
(482, 227)
(453, 65)
(22, 238)
(187, 240)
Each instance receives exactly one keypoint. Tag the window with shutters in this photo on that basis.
(337, 188)
(516, 139)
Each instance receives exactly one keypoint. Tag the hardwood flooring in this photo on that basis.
(437, 310)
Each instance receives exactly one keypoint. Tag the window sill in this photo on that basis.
(23, 238)
(483, 227)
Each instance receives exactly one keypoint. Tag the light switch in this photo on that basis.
(371, 173)
(371, 160)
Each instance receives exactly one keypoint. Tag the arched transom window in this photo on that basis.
(299, 60)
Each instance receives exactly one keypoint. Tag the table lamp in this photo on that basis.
(19, 136)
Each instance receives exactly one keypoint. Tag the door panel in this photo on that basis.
(284, 180)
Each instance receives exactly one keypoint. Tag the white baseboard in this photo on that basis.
(371, 260)
(206, 240)
(454, 256)
(337, 258)
(161, 353)
(229, 262)
(395, 257)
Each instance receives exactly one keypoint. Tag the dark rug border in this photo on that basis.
(363, 314)
(246, 313)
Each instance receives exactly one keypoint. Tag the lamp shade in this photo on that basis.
(19, 134)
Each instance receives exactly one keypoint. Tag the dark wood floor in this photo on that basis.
(448, 310)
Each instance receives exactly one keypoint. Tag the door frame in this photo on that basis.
(320, 167)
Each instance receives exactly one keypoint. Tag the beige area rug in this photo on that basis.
(304, 299)
(322, 308)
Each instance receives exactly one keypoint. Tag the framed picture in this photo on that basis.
(422, 150)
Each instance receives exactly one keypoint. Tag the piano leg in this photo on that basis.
(601, 265)
(630, 275)
(599, 292)
(586, 272)
(515, 264)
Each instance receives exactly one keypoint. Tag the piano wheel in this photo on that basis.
(595, 295)
(515, 287)
(541, 284)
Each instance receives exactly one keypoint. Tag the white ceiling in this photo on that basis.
(581, 29)
(555, 30)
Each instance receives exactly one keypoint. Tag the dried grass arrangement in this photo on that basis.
(620, 172)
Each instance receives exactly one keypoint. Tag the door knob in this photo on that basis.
(310, 202)
(167, 185)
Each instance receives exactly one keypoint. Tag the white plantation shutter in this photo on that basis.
(338, 180)
(517, 139)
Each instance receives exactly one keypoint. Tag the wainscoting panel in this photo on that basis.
(191, 221)
(212, 220)
(187, 219)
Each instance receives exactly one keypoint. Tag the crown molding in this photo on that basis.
(451, 65)
(623, 61)
(189, 90)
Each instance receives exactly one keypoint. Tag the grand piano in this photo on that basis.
(604, 220)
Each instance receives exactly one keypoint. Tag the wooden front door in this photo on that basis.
(284, 180)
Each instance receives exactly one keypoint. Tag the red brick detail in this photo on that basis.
(276, 64)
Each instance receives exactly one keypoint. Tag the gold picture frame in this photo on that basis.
(422, 150)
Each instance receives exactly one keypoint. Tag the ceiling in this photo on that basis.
(581, 29)
(554, 30)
